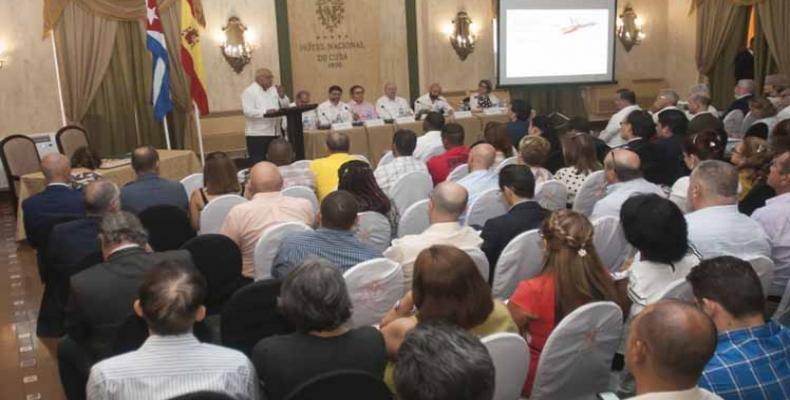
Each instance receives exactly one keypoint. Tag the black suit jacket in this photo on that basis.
(672, 154)
(653, 161)
(102, 296)
(42, 211)
(499, 231)
(72, 247)
(739, 104)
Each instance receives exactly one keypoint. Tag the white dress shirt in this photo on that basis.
(474, 105)
(255, 102)
(329, 113)
(406, 249)
(611, 134)
(647, 280)
(783, 114)
(477, 182)
(427, 142)
(690, 394)
(775, 220)
(722, 230)
(387, 174)
(170, 366)
(424, 102)
(393, 108)
(679, 193)
(618, 193)
(667, 108)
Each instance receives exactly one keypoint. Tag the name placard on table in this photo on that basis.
(462, 114)
(404, 120)
(339, 126)
(374, 122)
(494, 111)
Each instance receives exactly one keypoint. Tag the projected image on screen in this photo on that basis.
(555, 41)
(543, 43)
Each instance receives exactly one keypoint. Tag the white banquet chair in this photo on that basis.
(213, 215)
(374, 286)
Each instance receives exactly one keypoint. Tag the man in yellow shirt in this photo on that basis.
(325, 169)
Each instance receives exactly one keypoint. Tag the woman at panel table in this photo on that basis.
(484, 98)
(219, 178)
(572, 276)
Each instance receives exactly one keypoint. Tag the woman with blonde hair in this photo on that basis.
(219, 178)
(572, 276)
(751, 156)
(533, 152)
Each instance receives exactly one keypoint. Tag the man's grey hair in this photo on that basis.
(699, 89)
(669, 94)
(442, 361)
(99, 196)
(121, 227)
(746, 84)
(623, 171)
(717, 178)
(314, 297)
(700, 98)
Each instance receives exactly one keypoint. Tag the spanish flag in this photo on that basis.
(191, 57)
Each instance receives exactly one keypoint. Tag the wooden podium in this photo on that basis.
(295, 128)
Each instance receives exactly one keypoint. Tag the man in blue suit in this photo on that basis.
(72, 247)
(150, 189)
(57, 203)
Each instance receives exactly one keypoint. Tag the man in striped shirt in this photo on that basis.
(172, 362)
(403, 143)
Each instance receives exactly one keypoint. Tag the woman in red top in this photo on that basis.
(572, 276)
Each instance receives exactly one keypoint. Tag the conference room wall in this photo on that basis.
(223, 85)
(28, 85)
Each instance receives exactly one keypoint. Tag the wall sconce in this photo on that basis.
(461, 35)
(2, 54)
(629, 28)
(235, 47)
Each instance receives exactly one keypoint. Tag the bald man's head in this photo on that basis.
(482, 157)
(102, 196)
(448, 202)
(670, 342)
(145, 159)
(56, 168)
(280, 152)
(264, 77)
(622, 166)
(390, 89)
(265, 178)
(338, 142)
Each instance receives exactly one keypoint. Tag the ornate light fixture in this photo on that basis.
(235, 47)
(462, 37)
(2, 54)
(630, 30)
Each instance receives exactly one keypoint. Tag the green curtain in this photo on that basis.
(722, 77)
(565, 99)
(120, 116)
(764, 62)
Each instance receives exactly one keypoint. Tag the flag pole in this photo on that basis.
(167, 133)
(199, 133)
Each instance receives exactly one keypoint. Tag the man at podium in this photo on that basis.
(259, 98)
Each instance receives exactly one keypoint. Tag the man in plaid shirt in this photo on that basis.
(403, 143)
(752, 359)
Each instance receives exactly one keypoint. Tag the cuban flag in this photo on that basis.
(155, 41)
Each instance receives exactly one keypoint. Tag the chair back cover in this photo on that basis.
(409, 189)
(610, 243)
(592, 190)
(678, 290)
(487, 205)
(269, 243)
(361, 157)
(782, 314)
(192, 182)
(481, 261)
(504, 163)
(168, 227)
(218, 258)
(20, 157)
(374, 286)
(374, 229)
(70, 138)
(303, 192)
(577, 358)
(242, 175)
(415, 220)
(458, 173)
(552, 195)
(521, 259)
(764, 268)
(213, 215)
(342, 384)
(386, 158)
(251, 314)
(510, 355)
